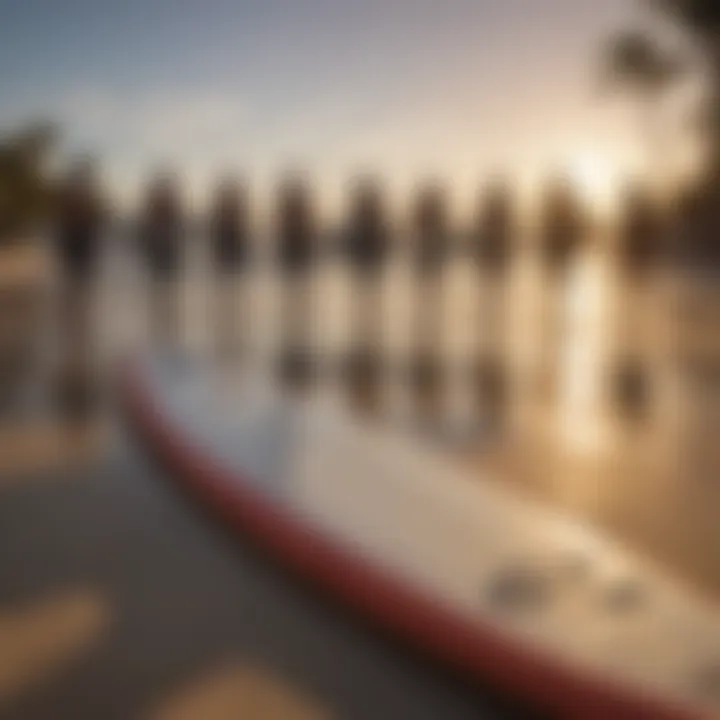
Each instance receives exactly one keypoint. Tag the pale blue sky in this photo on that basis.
(457, 88)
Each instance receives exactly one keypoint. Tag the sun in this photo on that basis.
(596, 178)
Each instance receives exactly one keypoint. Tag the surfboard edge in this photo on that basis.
(478, 650)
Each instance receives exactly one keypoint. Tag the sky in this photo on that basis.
(452, 89)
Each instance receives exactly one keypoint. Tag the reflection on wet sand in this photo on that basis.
(239, 691)
(38, 450)
(610, 400)
(635, 455)
(38, 640)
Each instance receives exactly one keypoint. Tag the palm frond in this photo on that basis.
(636, 61)
(699, 16)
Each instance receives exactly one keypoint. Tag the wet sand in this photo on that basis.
(161, 609)
(127, 602)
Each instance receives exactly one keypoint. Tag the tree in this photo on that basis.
(637, 63)
(701, 21)
(25, 188)
(701, 17)
(646, 67)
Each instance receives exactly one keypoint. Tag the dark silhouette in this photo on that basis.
(695, 242)
(648, 67)
(636, 63)
(494, 238)
(367, 245)
(79, 216)
(26, 189)
(229, 227)
(642, 236)
(230, 250)
(161, 227)
(368, 233)
(631, 388)
(563, 225)
(431, 233)
(491, 389)
(430, 226)
(495, 228)
(296, 228)
(297, 249)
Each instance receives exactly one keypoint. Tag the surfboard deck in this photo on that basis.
(508, 591)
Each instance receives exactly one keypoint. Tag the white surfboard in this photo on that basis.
(510, 592)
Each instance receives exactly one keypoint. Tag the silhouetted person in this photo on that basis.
(431, 233)
(495, 228)
(79, 216)
(368, 233)
(494, 239)
(642, 232)
(696, 241)
(79, 220)
(297, 244)
(562, 229)
(642, 238)
(161, 226)
(367, 245)
(296, 228)
(563, 225)
(430, 225)
(230, 250)
(631, 387)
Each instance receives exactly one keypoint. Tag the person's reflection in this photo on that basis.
(492, 249)
(79, 215)
(430, 230)
(230, 240)
(367, 244)
(563, 227)
(296, 259)
(642, 240)
(160, 239)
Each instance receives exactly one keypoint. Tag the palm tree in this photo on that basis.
(637, 63)
(701, 20)
(699, 17)
(647, 68)
(640, 63)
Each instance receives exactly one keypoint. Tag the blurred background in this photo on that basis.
(493, 223)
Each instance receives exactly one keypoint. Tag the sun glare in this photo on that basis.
(596, 178)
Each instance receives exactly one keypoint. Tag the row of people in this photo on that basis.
(367, 237)
(367, 240)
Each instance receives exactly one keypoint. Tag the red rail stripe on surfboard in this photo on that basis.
(478, 650)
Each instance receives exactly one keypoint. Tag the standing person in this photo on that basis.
(296, 258)
(563, 228)
(79, 220)
(230, 239)
(638, 293)
(430, 229)
(367, 244)
(642, 231)
(492, 250)
(495, 228)
(160, 239)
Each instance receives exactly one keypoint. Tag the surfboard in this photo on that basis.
(508, 591)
